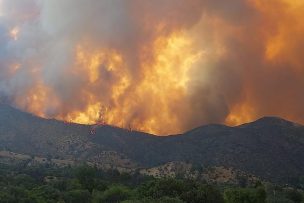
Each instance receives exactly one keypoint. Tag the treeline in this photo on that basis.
(47, 184)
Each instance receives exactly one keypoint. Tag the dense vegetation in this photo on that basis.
(44, 184)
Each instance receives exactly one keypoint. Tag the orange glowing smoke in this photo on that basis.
(162, 81)
(14, 33)
(283, 27)
(159, 66)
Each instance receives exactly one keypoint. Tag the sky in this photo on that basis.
(161, 66)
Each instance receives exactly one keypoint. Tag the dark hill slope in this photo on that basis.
(270, 147)
(24, 133)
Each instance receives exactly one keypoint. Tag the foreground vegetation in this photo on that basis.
(48, 184)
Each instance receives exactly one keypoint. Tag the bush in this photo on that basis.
(113, 194)
(203, 193)
(86, 176)
(77, 196)
(294, 195)
(45, 192)
(161, 200)
(187, 191)
(245, 195)
(162, 188)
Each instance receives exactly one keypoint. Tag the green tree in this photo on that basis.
(6, 197)
(168, 187)
(45, 193)
(77, 196)
(203, 193)
(294, 195)
(112, 195)
(86, 176)
(161, 200)
(245, 195)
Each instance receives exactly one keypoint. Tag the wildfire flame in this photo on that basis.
(165, 78)
(156, 66)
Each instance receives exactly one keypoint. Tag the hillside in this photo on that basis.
(270, 148)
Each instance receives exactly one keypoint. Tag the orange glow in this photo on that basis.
(240, 114)
(14, 33)
(167, 80)
(163, 82)
(15, 68)
(38, 99)
(284, 34)
(161, 69)
(282, 27)
(92, 62)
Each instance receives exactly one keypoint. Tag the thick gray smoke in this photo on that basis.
(162, 66)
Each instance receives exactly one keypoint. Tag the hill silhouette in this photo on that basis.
(271, 148)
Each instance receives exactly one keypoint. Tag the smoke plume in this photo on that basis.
(161, 66)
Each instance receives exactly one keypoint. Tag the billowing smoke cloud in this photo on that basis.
(161, 66)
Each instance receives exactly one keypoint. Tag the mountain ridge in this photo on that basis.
(271, 147)
(265, 119)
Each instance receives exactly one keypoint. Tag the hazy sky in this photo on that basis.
(161, 66)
